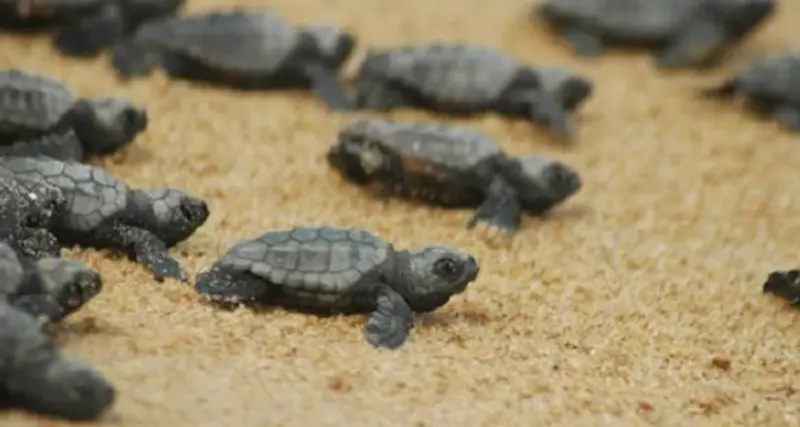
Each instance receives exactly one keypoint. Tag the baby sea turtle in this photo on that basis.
(84, 28)
(685, 33)
(27, 210)
(241, 48)
(34, 375)
(42, 112)
(341, 270)
(784, 284)
(50, 288)
(452, 167)
(769, 88)
(465, 79)
(103, 212)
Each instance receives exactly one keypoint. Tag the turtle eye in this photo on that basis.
(447, 268)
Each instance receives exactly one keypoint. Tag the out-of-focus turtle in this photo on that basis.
(50, 288)
(84, 28)
(332, 269)
(27, 210)
(248, 49)
(103, 212)
(685, 33)
(466, 79)
(770, 87)
(452, 167)
(34, 375)
(46, 117)
(784, 284)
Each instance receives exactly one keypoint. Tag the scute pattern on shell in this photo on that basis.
(31, 102)
(454, 147)
(92, 194)
(325, 260)
(774, 77)
(240, 40)
(461, 74)
(629, 18)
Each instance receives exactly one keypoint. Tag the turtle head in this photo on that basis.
(173, 214)
(568, 88)
(739, 17)
(106, 125)
(335, 44)
(542, 182)
(70, 283)
(784, 284)
(436, 274)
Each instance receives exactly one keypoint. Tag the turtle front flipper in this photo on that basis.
(698, 45)
(42, 307)
(391, 322)
(500, 209)
(92, 34)
(61, 146)
(788, 116)
(583, 42)
(131, 58)
(327, 87)
(546, 111)
(142, 245)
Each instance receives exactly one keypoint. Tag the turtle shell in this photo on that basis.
(425, 148)
(629, 20)
(448, 73)
(232, 40)
(321, 260)
(774, 78)
(48, 9)
(30, 102)
(92, 194)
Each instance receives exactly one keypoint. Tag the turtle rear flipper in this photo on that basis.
(92, 34)
(130, 58)
(328, 88)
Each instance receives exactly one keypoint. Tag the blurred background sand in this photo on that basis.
(609, 312)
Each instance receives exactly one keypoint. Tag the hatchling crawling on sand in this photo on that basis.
(248, 49)
(770, 88)
(50, 288)
(27, 210)
(84, 28)
(35, 375)
(341, 270)
(465, 79)
(685, 33)
(103, 212)
(452, 167)
(39, 115)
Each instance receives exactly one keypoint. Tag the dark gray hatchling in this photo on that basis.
(103, 212)
(453, 167)
(47, 117)
(770, 87)
(248, 49)
(684, 33)
(36, 376)
(27, 210)
(49, 289)
(466, 79)
(341, 270)
(83, 28)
